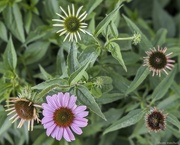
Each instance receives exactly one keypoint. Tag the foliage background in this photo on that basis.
(94, 69)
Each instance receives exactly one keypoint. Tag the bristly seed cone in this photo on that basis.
(23, 109)
(155, 120)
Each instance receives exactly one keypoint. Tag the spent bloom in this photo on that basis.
(71, 23)
(23, 108)
(157, 60)
(62, 116)
(155, 120)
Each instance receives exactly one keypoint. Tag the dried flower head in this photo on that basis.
(155, 120)
(60, 114)
(23, 108)
(71, 23)
(158, 60)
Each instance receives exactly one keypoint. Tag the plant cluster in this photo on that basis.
(89, 72)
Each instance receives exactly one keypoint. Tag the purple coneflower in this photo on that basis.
(23, 109)
(158, 61)
(62, 116)
(72, 24)
(155, 120)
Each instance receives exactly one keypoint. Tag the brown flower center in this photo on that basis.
(156, 121)
(24, 109)
(158, 60)
(72, 24)
(63, 117)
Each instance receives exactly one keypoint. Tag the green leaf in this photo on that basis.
(114, 29)
(45, 75)
(114, 48)
(92, 5)
(28, 21)
(85, 97)
(139, 78)
(78, 74)
(39, 33)
(160, 37)
(49, 83)
(128, 120)
(13, 20)
(35, 52)
(3, 5)
(145, 44)
(163, 86)
(5, 123)
(60, 63)
(3, 32)
(10, 57)
(104, 23)
(48, 89)
(161, 19)
(72, 59)
(175, 51)
(109, 98)
(173, 120)
(90, 53)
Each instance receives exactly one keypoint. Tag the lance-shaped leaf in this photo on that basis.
(128, 120)
(163, 86)
(85, 97)
(10, 57)
(114, 48)
(104, 23)
(139, 78)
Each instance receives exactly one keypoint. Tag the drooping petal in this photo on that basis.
(76, 129)
(55, 132)
(47, 107)
(46, 120)
(79, 109)
(71, 136)
(49, 124)
(47, 113)
(72, 101)
(60, 133)
(50, 101)
(82, 114)
(81, 122)
(66, 135)
(50, 130)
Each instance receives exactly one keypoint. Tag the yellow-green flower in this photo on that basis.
(71, 23)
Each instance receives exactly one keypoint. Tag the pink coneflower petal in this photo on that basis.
(72, 101)
(64, 116)
(55, 132)
(83, 114)
(51, 104)
(66, 135)
(76, 129)
(45, 105)
(46, 120)
(59, 98)
(71, 136)
(79, 109)
(66, 99)
(50, 129)
(79, 122)
(49, 124)
(60, 133)
(47, 113)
